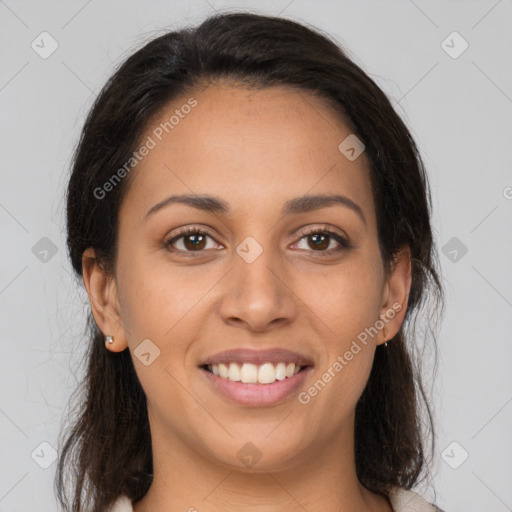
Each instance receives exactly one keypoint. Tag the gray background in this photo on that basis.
(458, 109)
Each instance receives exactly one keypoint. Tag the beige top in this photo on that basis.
(401, 500)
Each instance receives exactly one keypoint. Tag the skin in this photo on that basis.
(255, 149)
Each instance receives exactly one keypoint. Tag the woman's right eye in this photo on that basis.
(189, 240)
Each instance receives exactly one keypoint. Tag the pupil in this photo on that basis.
(320, 239)
(194, 244)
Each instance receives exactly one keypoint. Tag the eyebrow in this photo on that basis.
(291, 207)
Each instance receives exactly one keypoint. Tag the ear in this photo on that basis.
(396, 294)
(102, 291)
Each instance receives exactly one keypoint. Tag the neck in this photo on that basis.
(323, 479)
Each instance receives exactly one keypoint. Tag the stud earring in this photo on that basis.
(109, 340)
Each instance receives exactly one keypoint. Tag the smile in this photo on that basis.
(256, 377)
(249, 373)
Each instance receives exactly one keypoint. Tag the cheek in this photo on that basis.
(160, 306)
(346, 300)
(347, 384)
(157, 300)
(346, 306)
(332, 397)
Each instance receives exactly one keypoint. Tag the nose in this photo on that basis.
(258, 292)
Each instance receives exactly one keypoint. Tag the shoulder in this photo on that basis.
(404, 500)
(122, 504)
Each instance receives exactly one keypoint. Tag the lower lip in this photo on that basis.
(257, 395)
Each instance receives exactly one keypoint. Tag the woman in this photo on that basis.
(251, 220)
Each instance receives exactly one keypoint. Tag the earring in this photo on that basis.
(109, 340)
(386, 344)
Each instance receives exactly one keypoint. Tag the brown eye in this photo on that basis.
(189, 240)
(194, 241)
(320, 240)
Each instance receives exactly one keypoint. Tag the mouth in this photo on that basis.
(256, 378)
(249, 373)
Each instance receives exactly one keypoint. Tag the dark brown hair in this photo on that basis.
(108, 449)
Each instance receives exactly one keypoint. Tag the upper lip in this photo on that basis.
(259, 357)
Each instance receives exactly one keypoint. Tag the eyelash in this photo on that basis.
(343, 241)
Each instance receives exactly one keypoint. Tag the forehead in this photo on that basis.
(251, 146)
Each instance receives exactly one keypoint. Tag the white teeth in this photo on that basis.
(234, 372)
(250, 373)
(266, 373)
(280, 371)
(223, 371)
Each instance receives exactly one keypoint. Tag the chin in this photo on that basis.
(259, 455)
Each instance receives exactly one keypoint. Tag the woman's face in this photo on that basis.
(255, 278)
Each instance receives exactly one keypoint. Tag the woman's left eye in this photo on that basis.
(195, 240)
(321, 240)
